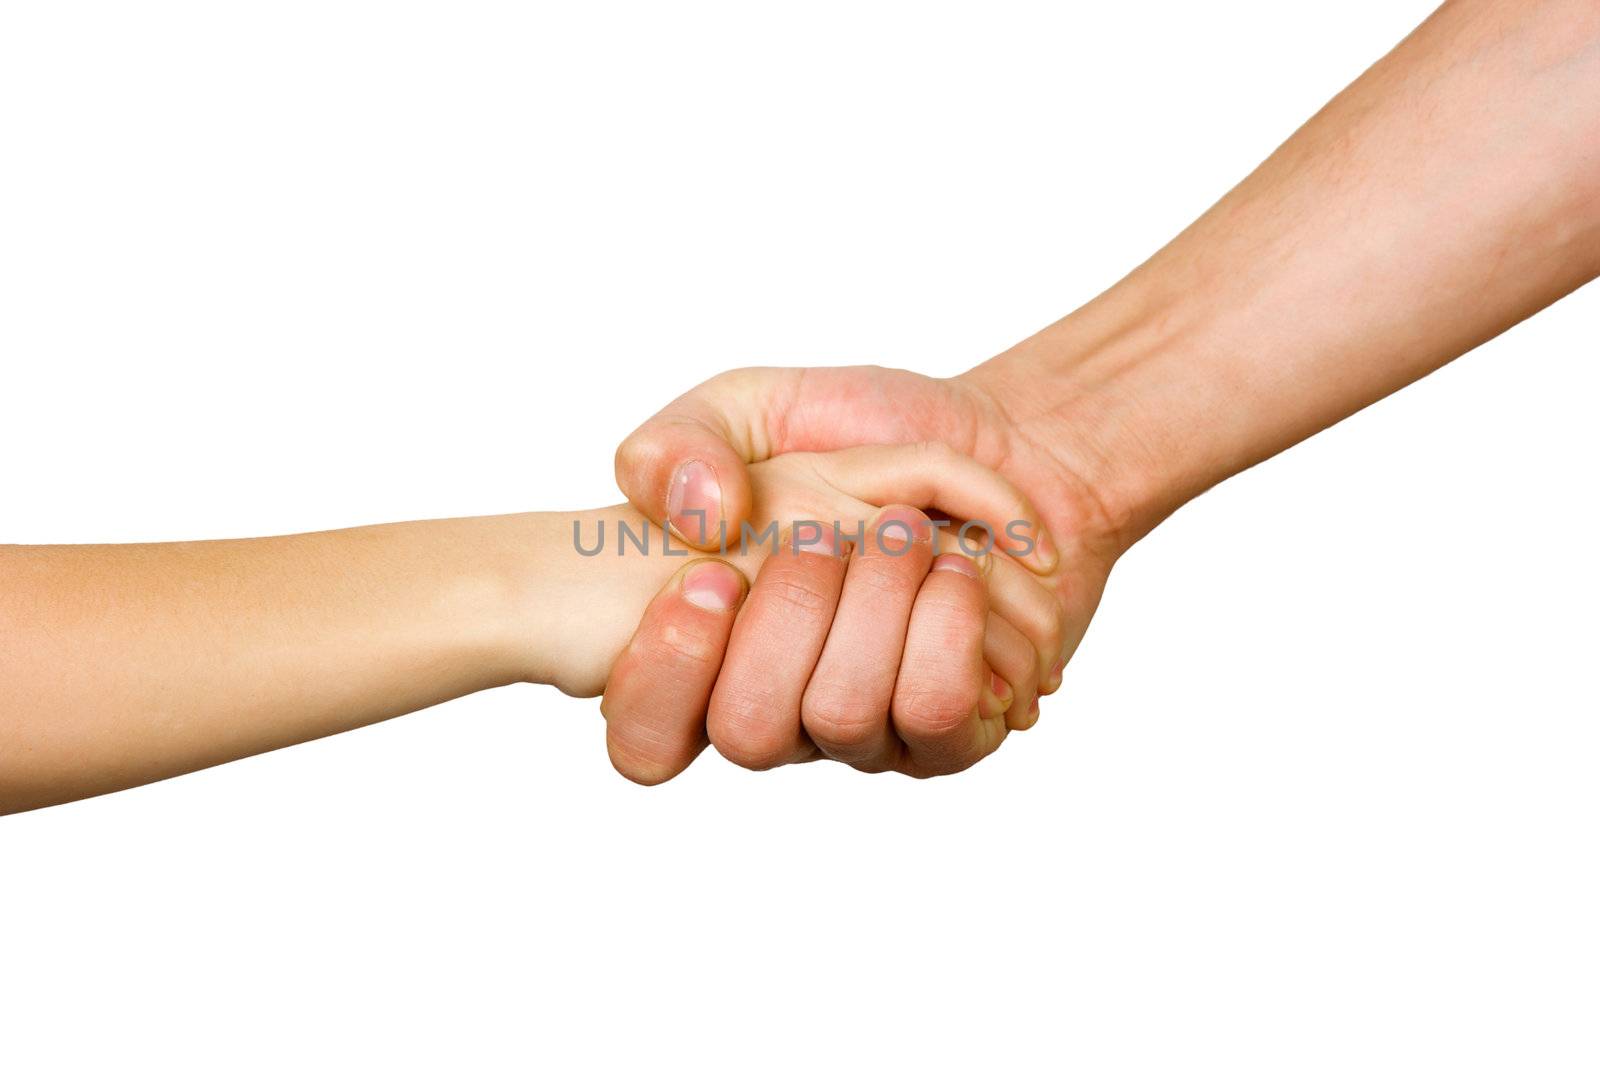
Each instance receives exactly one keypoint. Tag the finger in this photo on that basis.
(942, 673)
(686, 464)
(754, 718)
(1032, 607)
(931, 474)
(845, 710)
(1014, 666)
(655, 700)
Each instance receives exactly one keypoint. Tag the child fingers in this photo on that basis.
(931, 474)
(1014, 667)
(1033, 609)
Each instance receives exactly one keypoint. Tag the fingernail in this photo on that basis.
(823, 545)
(694, 503)
(1044, 548)
(956, 561)
(977, 549)
(713, 586)
(1054, 681)
(898, 525)
(999, 697)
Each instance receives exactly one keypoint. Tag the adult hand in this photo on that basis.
(923, 706)
(687, 464)
(867, 649)
(662, 680)
(1282, 310)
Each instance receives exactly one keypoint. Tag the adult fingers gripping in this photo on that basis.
(1018, 552)
(686, 464)
(938, 698)
(845, 710)
(655, 700)
(754, 718)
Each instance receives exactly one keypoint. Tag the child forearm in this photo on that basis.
(124, 664)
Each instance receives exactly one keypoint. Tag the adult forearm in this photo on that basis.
(1451, 191)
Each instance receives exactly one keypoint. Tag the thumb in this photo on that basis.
(686, 465)
(656, 697)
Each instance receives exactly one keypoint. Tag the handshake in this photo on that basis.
(861, 564)
(857, 564)
(844, 564)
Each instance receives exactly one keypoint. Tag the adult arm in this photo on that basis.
(1451, 191)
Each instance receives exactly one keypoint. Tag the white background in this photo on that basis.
(1320, 787)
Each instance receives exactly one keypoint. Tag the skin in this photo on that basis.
(124, 664)
(1449, 193)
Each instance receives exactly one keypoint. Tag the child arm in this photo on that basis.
(124, 664)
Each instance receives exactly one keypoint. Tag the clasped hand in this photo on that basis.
(861, 628)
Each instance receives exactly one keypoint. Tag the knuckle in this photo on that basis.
(924, 771)
(746, 739)
(1026, 684)
(724, 379)
(671, 647)
(894, 575)
(750, 751)
(1050, 627)
(841, 718)
(794, 593)
(935, 710)
(637, 451)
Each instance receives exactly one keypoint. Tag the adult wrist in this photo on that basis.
(1088, 391)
